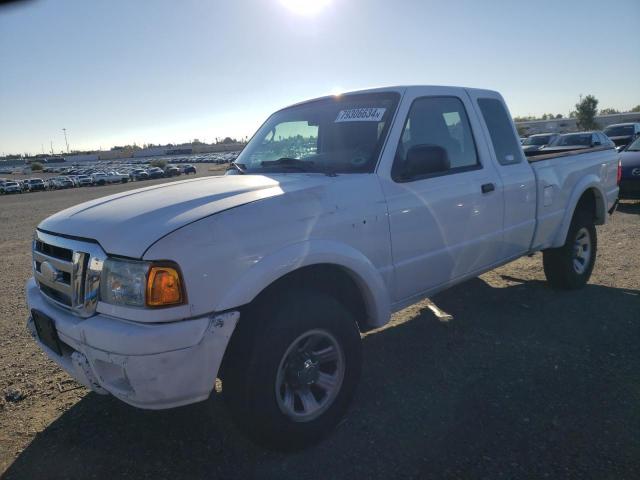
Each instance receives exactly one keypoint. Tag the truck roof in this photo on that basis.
(401, 89)
(626, 124)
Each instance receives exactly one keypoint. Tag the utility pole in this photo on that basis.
(64, 130)
(51, 144)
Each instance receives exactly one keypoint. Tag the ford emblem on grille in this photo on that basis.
(50, 272)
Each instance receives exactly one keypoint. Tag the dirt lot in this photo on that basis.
(522, 382)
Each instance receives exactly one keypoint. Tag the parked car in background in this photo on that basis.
(61, 183)
(630, 175)
(575, 141)
(84, 180)
(537, 141)
(35, 184)
(100, 178)
(187, 169)
(622, 134)
(74, 179)
(155, 172)
(11, 187)
(24, 186)
(172, 171)
(139, 174)
(117, 177)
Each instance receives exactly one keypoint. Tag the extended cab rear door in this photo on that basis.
(518, 178)
(444, 225)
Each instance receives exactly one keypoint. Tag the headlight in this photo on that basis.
(138, 284)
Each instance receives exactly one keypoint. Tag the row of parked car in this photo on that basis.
(90, 177)
(625, 137)
(620, 135)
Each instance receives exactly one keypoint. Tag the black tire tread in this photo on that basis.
(248, 373)
(557, 262)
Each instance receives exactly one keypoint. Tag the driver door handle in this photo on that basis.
(488, 187)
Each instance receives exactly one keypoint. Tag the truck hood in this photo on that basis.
(128, 223)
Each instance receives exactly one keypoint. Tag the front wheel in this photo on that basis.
(569, 267)
(291, 369)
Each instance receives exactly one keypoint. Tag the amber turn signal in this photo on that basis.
(163, 287)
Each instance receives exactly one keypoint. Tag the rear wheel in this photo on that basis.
(291, 369)
(570, 266)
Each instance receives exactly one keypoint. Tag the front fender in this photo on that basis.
(313, 252)
(590, 182)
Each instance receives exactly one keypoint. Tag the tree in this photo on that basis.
(608, 111)
(635, 109)
(586, 110)
(158, 163)
(36, 167)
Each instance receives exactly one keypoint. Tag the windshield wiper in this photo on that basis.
(239, 167)
(295, 163)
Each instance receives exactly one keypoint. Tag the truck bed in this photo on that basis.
(561, 178)
(550, 153)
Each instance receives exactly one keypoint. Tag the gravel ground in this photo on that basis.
(521, 382)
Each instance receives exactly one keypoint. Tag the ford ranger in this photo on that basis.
(338, 212)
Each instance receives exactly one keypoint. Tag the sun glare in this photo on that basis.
(305, 7)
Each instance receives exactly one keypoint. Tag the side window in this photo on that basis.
(437, 130)
(596, 138)
(508, 150)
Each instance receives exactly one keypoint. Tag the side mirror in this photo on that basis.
(425, 160)
(596, 144)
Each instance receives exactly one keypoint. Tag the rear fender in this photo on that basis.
(590, 182)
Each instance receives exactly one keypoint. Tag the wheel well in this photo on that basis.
(591, 202)
(330, 279)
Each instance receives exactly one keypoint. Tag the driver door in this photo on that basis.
(444, 225)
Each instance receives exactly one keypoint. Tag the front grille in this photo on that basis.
(68, 271)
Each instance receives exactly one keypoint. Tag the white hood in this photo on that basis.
(128, 223)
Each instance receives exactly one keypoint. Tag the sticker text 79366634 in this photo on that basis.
(360, 115)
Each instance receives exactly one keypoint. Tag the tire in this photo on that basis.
(261, 361)
(569, 267)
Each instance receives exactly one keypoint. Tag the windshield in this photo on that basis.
(537, 140)
(635, 146)
(334, 135)
(574, 139)
(619, 131)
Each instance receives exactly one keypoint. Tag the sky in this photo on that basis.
(115, 72)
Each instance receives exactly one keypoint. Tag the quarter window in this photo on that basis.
(507, 148)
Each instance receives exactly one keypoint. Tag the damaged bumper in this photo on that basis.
(151, 366)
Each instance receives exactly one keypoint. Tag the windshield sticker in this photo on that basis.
(360, 115)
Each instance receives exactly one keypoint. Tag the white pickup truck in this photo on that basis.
(339, 212)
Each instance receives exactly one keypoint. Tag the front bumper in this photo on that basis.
(151, 366)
